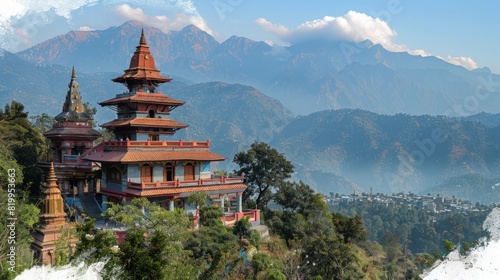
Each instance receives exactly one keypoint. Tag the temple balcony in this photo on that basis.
(185, 183)
(120, 144)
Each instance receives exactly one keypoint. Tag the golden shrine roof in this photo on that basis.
(152, 122)
(152, 155)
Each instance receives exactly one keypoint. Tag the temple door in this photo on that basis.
(188, 172)
(146, 173)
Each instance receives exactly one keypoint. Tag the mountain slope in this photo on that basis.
(231, 116)
(389, 153)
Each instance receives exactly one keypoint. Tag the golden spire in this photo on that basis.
(52, 213)
(51, 178)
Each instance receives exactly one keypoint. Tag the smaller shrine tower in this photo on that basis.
(71, 136)
(52, 222)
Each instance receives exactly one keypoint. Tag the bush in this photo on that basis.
(261, 262)
(275, 274)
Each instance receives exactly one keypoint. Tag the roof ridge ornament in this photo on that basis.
(142, 41)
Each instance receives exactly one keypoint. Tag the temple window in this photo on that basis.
(151, 113)
(114, 175)
(169, 172)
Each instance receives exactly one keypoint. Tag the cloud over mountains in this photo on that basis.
(164, 23)
(24, 23)
(352, 27)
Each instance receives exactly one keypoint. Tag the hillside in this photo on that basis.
(231, 116)
(390, 154)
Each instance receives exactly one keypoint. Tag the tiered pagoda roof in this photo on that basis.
(73, 109)
(142, 122)
(142, 68)
(140, 97)
(148, 151)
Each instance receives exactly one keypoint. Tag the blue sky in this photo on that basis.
(461, 32)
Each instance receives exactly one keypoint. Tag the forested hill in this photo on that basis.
(390, 153)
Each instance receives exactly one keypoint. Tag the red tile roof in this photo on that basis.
(142, 97)
(193, 189)
(142, 66)
(152, 155)
(156, 122)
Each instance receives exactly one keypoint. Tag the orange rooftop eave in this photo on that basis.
(152, 98)
(145, 156)
(150, 122)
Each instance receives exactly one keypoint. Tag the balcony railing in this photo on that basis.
(186, 183)
(230, 218)
(157, 144)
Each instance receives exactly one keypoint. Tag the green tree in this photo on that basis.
(95, 243)
(91, 111)
(153, 246)
(16, 205)
(304, 214)
(143, 214)
(210, 215)
(331, 258)
(212, 247)
(295, 197)
(265, 169)
(25, 142)
(243, 228)
(198, 199)
(351, 229)
(42, 123)
(392, 246)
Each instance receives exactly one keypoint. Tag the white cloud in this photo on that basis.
(27, 22)
(162, 22)
(85, 28)
(463, 61)
(419, 52)
(352, 27)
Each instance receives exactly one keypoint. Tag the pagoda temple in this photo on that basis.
(142, 161)
(52, 222)
(71, 136)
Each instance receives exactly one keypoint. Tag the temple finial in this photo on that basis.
(73, 74)
(143, 38)
(51, 178)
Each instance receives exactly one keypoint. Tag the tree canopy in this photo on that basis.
(26, 143)
(265, 169)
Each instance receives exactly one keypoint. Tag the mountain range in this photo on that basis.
(349, 116)
(306, 78)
